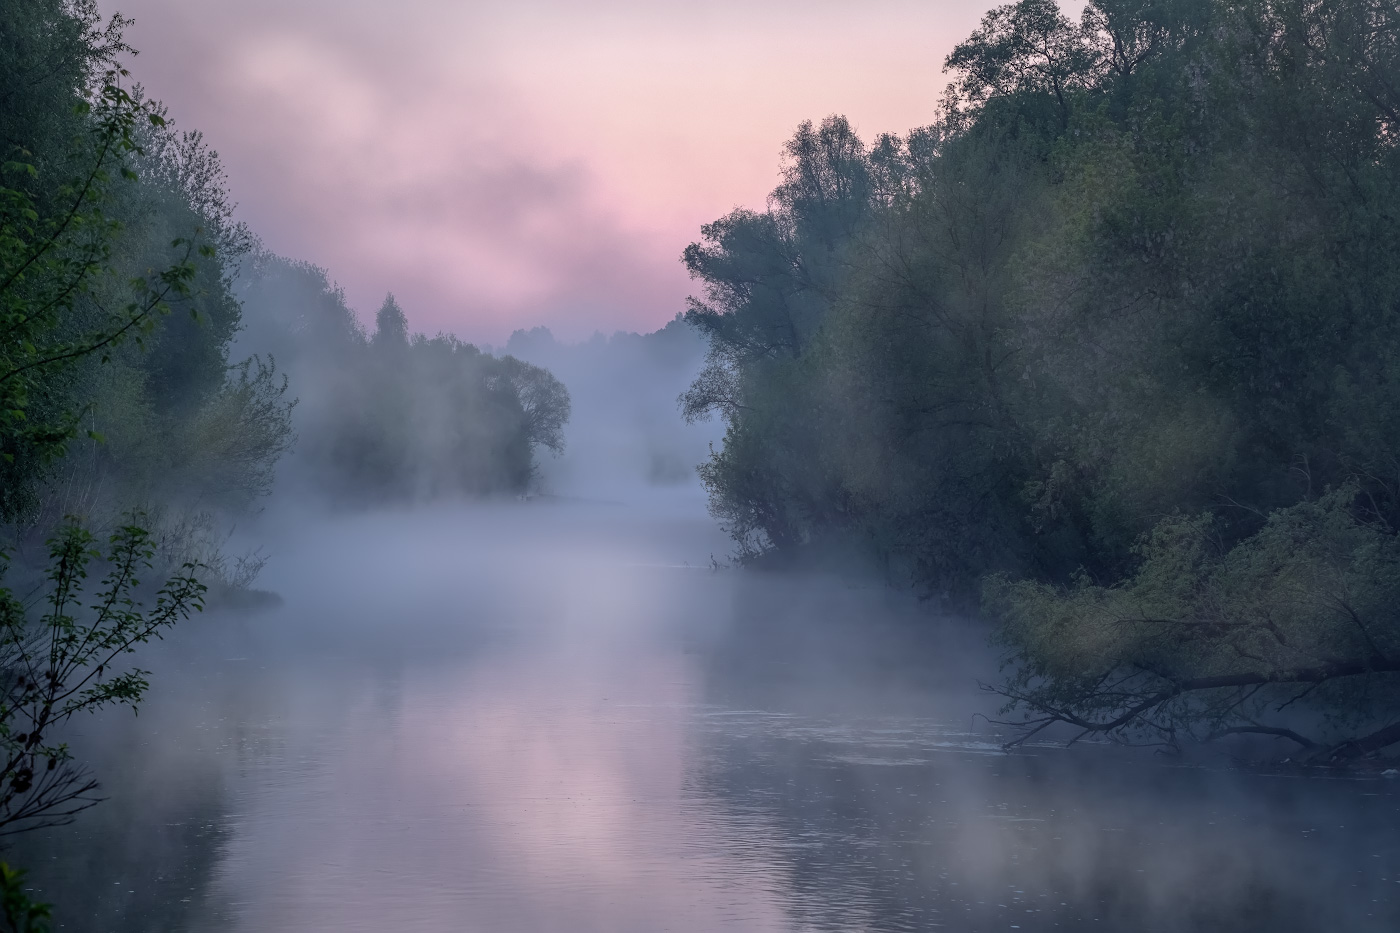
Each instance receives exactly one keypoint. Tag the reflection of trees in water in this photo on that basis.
(142, 861)
(1042, 840)
(146, 858)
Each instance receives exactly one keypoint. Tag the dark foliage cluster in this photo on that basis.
(118, 250)
(1111, 352)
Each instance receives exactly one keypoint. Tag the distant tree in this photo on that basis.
(543, 399)
(434, 418)
(536, 340)
(390, 325)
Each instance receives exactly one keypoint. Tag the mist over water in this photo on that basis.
(556, 715)
(652, 632)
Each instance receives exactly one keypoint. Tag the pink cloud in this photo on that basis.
(502, 165)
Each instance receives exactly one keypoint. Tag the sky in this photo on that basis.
(537, 162)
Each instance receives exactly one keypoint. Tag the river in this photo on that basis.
(560, 716)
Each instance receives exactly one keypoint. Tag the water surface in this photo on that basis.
(560, 717)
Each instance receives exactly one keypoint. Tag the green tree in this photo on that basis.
(1137, 278)
(50, 267)
(20, 912)
(1203, 641)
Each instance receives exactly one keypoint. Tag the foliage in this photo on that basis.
(544, 402)
(109, 220)
(1136, 278)
(89, 264)
(70, 660)
(1206, 641)
(234, 442)
(20, 912)
(622, 427)
(390, 325)
(49, 266)
(54, 53)
(1025, 48)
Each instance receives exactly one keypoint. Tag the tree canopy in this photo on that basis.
(1136, 281)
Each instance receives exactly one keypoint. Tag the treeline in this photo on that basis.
(154, 353)
(117, 249)
(1110, 352)
(389, 416)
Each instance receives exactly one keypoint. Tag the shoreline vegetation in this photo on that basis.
(1108, 355)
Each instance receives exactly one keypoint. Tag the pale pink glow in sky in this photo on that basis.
(501, 165)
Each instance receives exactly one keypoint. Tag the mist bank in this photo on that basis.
(555, 716)
(1109, 354)
(625, 435)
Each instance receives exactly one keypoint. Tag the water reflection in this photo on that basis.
(559, 722)
(144, 860)
(895, 812)
(919, 837)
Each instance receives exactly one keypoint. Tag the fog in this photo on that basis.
(1006, 536)
(569, 709)
(558, 714)
(625, 434)
(465, 698)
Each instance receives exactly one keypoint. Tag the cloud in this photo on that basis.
(502, 165)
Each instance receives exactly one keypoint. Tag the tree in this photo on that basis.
(1023, 48)
(1137, 281)
(92, 187)
(390, 325)
(48, 264)
(393, 416)
(20, 912)
(55, 54)
(543, 400)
